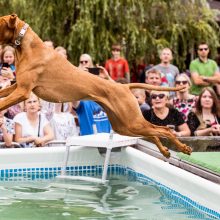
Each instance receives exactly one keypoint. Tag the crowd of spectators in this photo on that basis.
(192, 111)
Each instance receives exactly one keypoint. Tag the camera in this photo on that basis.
(5, 65)
(94, 70)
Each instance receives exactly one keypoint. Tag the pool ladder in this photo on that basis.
(101, 140)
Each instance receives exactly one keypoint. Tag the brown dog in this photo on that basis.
(53, 78)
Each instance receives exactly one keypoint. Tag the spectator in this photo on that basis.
(154, 77)
(141, 98)
(161, 115)
(91, 116)
(8, 58)
(117, 67)
(204, 71)
(184, 102)
(205, 120)
(8, 76)
(63, 123)
(85, 62)
(62, 51)
(49, 44)
(6, 129)
(166, 68)
(31, 127)
(14, 110)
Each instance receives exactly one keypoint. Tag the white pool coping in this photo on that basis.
(202, 191)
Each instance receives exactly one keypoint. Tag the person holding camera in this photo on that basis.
(8, 60)
(91, 116)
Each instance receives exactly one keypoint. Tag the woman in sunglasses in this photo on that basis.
(85, 62)
(184, 102)
(206, 118)
(162, 115)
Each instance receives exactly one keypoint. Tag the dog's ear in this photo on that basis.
(12, 21)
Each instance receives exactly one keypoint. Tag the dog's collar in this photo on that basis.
(21, 35)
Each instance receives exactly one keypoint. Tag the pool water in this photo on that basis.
(121, 198)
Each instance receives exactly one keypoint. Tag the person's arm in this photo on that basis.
(7, 72)
(127, 72)
(104, 73)
(212, 79)
(198, 80)
(193, 122)
(18, 135)
(48, 136)
(75, 105)
(7, 136)
(183, 131)
(213, 130)
(181, 128)
(127, 76)
(203, 132)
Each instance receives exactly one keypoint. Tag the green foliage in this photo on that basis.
(143, 27)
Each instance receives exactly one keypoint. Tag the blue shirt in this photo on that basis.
(89, 114)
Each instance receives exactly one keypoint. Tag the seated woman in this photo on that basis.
(161, 115)
(6, 130)
(206, 118)
(31, 128)
(184, 102)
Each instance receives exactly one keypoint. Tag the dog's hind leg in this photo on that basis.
(153, 132)
(164, 150)
(8, 90)
(167, 133)
(15, 97)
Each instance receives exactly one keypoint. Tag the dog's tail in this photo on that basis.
(152, 87)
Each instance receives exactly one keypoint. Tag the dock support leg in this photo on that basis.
(105, 169)
(66, 157)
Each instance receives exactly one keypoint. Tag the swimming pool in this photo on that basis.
(124, 197)
(25, 173)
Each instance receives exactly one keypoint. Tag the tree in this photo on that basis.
(143, 27)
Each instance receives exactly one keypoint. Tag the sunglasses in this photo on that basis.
(183, 82)
(114, 49)
(83, 61)
(160, 96)
(201, 49)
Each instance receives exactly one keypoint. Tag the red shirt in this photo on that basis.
(117, 68)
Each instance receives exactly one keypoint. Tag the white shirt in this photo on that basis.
(27, 128)
(63, 125)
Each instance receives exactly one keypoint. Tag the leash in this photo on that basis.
(20, 35)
